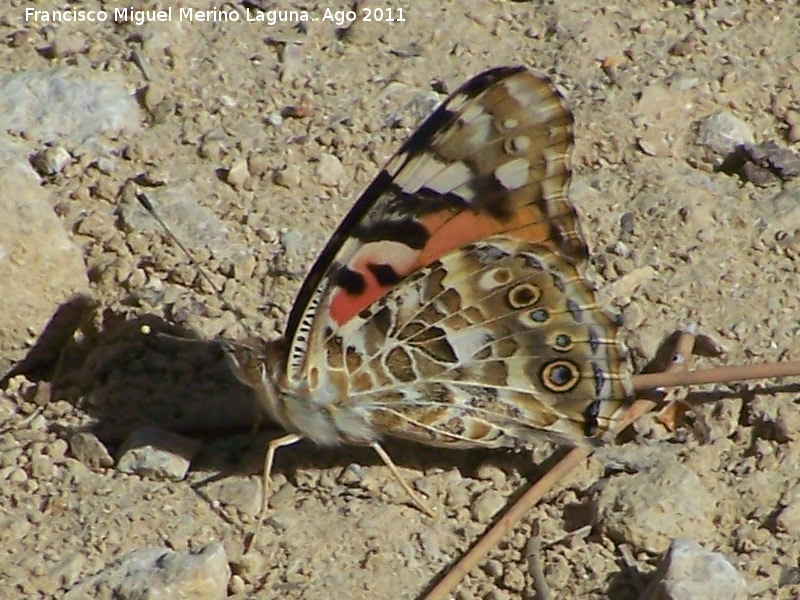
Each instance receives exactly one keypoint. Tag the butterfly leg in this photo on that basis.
(419, 502)
(269, 460)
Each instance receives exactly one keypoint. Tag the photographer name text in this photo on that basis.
(269, 17)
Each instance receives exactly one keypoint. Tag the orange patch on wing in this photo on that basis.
(345, 306)
(450, 232)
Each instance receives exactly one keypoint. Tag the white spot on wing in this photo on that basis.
(457, 101)
(554, 161)
(467, 342)
(455, 175)
(385, 252)
(394, 165)
(524, 91)
(480, 131)
(513, 174)
(466, 192)
(521, 143)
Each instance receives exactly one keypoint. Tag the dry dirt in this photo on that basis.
(242, 127)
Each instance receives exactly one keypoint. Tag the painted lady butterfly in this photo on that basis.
(448, 307)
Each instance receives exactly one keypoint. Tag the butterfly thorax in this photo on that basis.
(316, 414)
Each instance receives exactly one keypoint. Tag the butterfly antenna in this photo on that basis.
(144, 201)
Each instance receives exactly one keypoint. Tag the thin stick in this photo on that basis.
(651, 381)
(508, 521)
(538, 489)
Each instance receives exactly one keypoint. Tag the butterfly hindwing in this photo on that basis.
(496, 342)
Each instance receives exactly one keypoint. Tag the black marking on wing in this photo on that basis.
(424, 200)
(590, 415)
(599, 379)
(489, 199)
(350, 281)
(407, 230)
(385, 275)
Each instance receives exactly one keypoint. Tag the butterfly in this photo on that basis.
(449, 306)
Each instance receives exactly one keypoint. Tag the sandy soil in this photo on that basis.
(254, 141)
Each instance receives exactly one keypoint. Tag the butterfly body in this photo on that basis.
(449, 306)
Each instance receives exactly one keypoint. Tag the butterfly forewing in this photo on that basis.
(491, 159)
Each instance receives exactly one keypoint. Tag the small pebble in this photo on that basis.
(330, 170)
(689, 572)
(288, 177)
(487, 505)
(238, 175)
(788, 519)
(721, 133)
(640, 509)
(514, 579)
(491, 472)
(41, 467)
(275, 118)
(157, 453)
(352, 475)
(430, 546)
(493, 568)
(51, 160)
(18, 476)
(457, 497)
(105, 165)
(87, 448)
(161, 573)
(283, 497)
(240, 493)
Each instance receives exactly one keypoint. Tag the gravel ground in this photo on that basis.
(253, 140)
